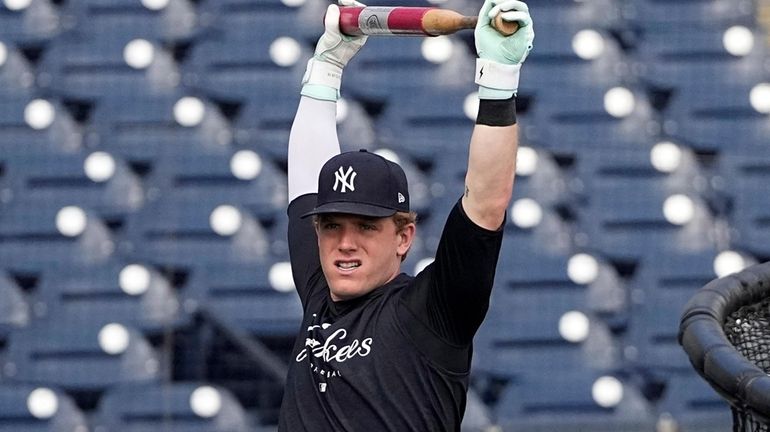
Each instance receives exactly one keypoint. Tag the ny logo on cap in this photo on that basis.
(341, 177)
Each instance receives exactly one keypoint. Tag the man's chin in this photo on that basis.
(347, 292)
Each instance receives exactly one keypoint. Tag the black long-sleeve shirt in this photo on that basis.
(398, 358)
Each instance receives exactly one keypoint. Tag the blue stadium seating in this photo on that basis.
(62, 136)
(598, 191)
(623, 217)
(266, 127)
(659, 289)
(16, 417)
(240, 68)
(242, 296)
(61, 181)
(693, 405)
(685, 15)
(743, 174)
(561, 399)
(14, 309)
(731, 125)
(424, 123)
(379, 73)
(236, 21)
(194, 176)
(175, 22)
(142, 128)
(177, 232)
(31, 242)
(65, 353)
(675, 58)
(94, 68)
(96, 292)
(138, 408)
(573, 119)
(531, 294)
(39, 22)
(16, 76)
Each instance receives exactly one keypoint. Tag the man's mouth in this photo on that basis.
(347, 265)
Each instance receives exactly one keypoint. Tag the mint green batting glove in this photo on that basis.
(500, 56)
(333, 51)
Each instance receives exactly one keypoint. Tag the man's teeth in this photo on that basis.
(348, 265)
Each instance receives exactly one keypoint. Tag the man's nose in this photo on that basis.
(347, 239)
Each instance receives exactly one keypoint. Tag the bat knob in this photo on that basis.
(505, 28)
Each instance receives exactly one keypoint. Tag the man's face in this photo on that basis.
(359, 254)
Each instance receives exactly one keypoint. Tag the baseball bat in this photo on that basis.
(415, 21)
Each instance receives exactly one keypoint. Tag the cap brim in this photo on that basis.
(351, 208)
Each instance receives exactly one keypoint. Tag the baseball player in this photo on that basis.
(380, 350)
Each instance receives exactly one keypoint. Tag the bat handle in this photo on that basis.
(506, 28)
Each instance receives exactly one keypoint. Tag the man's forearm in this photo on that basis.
(313, 141)
(491, 169)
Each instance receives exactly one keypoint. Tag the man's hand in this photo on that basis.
(333, 52)
(500, 57)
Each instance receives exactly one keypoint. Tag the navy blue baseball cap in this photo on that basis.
(361, 183)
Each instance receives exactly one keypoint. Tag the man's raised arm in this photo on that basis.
(313, 139)
(492, 154)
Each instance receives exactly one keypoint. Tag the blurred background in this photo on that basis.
(144, 276)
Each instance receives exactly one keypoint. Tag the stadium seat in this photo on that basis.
(564, 399)
(693, 405)
(66, 353)
(32, 243)
(39, 22)
(242, 296)
(236, 20)
(90, 69)
(15, 310)
(694, 118)
(598, 13)
(426, 123)
(62, 136)
(61, 180)
(743, 174)
(675, 58)
(355, 126)
(266, 126)
(16, 416)
(16, 76)
(659, 290)
(392, 69)
(240, 68)
(175, 21)
(171, 407)
(177, 232)
(532, 292)
(554, 63)
(96, 292)
(700, 14)
(624, 219)
(194, 176)
(142, 128)
(572, 119)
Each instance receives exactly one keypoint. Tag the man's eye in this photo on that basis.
(368, 227)
(330, 225)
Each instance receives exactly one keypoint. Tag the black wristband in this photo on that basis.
(497, 112)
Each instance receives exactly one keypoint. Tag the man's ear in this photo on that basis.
(405, 237)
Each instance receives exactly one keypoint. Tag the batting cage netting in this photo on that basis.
(725, 331)
(748, 329)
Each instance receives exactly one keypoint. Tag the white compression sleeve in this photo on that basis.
(313, 141)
